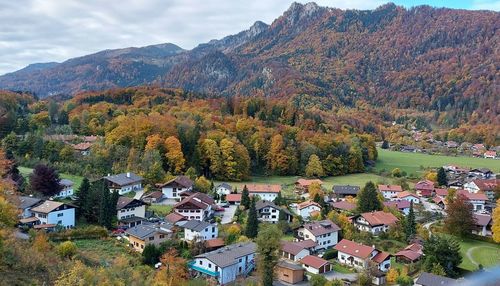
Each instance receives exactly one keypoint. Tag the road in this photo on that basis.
(228, 214)
(431, 207)
(329, 276)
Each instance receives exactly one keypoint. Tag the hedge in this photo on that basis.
(89, 232)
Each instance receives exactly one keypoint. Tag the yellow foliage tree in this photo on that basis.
(496, 222)
(173, 272)
(174, 154)
(392, 275)
(315, 189)
(431, 176)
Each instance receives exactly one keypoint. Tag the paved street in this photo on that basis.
(227, 214)
(431, 207)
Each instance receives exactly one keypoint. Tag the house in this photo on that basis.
(486, 186)
(389, 191)
(141, 235)
(199, 230)
(269, 212)
(54, 213)
(429, 279)
(477, 200)
(451, 144)
(374, 222)
(403, 206)
(424, 188)
(290, 273)
(152, 197)
(227, 263)
(305, 209)
(442, 193)
(325, 233)
(441, 202)
(361, 256)
(67, 189)
(297, 250)
(315, 265)
(478, 147)
(410, 254)
(25, 204)
(175, 218)
(456, 184)
(481, 173)
(124, 183)
(234, 199)
(483, 225)
(128, 207)
(175, 187)
(223, 189)
(197, 206)
(341, 192)
(343, 206)
(490, 154)
(406, 196)
(83, 148)
(265, 192)
(214, 243)
(302, 185)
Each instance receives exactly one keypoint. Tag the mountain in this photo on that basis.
(422, 58)
(102, 70)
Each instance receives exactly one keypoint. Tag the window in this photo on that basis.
(162, 236)
(201, 262)
(209, 265)
(213, 228)
(60, 214)
(240, 260)
(59, 222)
(216, 268)
(151, 238)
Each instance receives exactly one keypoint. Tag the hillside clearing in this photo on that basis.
(25, 172)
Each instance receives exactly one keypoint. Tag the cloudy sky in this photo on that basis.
(55, 30)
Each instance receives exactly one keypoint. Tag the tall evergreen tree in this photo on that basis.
(268, 245)
(245, 197)
(252, 227)
(441, 177)
(104, 198)
(410, 226)
(368, 199)
(444, 251)
(279, 200)
(83, 196)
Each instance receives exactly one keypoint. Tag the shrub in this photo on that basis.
(89, 232)
(66, 249)
(330, 254)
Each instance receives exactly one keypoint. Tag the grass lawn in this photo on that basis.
(103, 251)
(287, 237)
(485, 253)
(161, 210)
(411, 162)
(76, 179)
(340, 268)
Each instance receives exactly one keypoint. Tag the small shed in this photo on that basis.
(290, 273)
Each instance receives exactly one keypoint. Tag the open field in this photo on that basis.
(102, 251)
(476, 252)
(76, 179)
(411, 162)
(161, 210)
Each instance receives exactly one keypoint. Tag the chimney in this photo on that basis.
(128, 174)
(109, 175)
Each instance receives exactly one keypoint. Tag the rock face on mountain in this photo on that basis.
(423, 58)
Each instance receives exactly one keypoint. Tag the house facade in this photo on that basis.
(141, 235)
(197, 206)
(297, 250)
(67, 189)
(227, 263)
(265, 192)
(128, 207)
(324, 233)
(223, 189)
(406, 196)
(478, 200)
(305, 209)
(374, 222)
(424, 188)
(124, 183)
(199, 230)
(389, 191)
(290, 273)
(360, 256)
(485, 186)
(269, 212)
(55, 213)
(175, 187)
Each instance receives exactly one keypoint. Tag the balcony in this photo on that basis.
(192, 265)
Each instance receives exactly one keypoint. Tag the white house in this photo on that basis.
(175, 187)
(297, 250)
(197, 206)
(406, 196)
(305, 209)
(227, 263)
(403, 206)
(325, 233)
(483, 224)
(223, 189)
(389, 191)
(199, 230)
(67, 190)
(360, 256)
(315, 265)
(265, 192)
(269, 212)
(128, 207)
(481, 173)
(478, 200)
(486, 186)
(51, 213)
(490, 154)
(124, 183)
(374, 222)
(25, 204)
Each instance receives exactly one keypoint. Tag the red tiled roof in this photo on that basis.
(314, 261)
(321, 227)
(438, 200)
(472, 196)
(482, 219)
(490, 153)
(381, 257)
(263, 188)
(390, 188)
(214, 242)
(174, 217)
(199, 200)
(487, 185)
(405, 194)
(307, 204)
(403, 204)
(344, 205)
(233, 197)
(379, 218)
(415, 247)
(82, 146)
(424, 185)
(354, 249)
(411, 255)
(307, 183)
(441, 192)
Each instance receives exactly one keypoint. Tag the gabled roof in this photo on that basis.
(123, 202)
(429, 279)
(482, 219)
(66, 183)
(200, 200)
(346, 190)
(196, 225)
(291, 266)
(321, 227)
(343, 205)
(154, 195)
(487, 185)
(174, 218)
(47, 207)
(84, 146)
(296, 247)
(379, 218)
(124, 179)
(405, 194)
(143, 231)
(307, 183)
(181, 180)
(390, 188)
(230, 254)
(381, 257)
(409, 254)
(481, 170)
(425, 185)
(263, 188)
(233, 197)
(441, 192)
(225, 186)
(214, 242)
(354, 249)
(25, 202)
(400, 205)
(314, 261)
(473, 196)
(304, 205)
(264, 204)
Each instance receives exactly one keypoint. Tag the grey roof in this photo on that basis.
(125, 201)
(289, 265)
(264, 204)
(27, 202)
(196, 225)
(144, 230)
(123, 179)
(429, 279)
(66, 183)
(181, 180)
(229, 255)
(226, 186)
(346, 190)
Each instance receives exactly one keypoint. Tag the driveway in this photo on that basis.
(138, 194)
(22, 235)
(329, 276)
(431, 207)
(228, 214)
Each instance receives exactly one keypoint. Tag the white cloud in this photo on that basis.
(493, 5)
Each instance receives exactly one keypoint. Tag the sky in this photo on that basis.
(35, 31)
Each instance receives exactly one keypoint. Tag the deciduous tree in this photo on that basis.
(175, 157)
(268, 245)
(45, 180)
(496, 222)
(314, 167)
(459, 219)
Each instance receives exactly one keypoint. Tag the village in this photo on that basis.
(359, 235)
